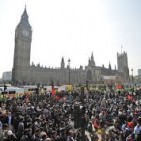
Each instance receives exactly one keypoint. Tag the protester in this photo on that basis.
(108, 115)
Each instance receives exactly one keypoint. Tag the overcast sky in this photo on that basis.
(74, 29)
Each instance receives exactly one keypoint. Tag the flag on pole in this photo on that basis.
(53, 90)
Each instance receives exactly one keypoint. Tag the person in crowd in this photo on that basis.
(70, 136)
(20, 129)
(9, 119)
(137, 130)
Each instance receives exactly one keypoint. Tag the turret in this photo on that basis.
(89, 61)
(62, 63)
(92, 62)
(109, 65)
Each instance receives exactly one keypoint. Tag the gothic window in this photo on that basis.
(89, 75)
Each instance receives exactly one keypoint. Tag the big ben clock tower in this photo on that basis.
(23, 37)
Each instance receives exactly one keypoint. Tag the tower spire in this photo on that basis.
(24, 18)
(92, 62)
(121, 49)
(62, 63)
(109, 65)
(92, 57)
(25, 15)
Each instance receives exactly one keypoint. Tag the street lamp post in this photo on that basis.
(69, 69)
(132, 76)
(4, 92)
(37, 92)
(83, 114)
(87, 85)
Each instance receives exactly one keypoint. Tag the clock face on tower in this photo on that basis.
(25, 33)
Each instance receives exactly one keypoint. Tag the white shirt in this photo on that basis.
(137, 129)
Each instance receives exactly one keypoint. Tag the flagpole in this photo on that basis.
(121, 49)
(69, 69)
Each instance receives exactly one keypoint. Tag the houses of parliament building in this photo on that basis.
(28, 73)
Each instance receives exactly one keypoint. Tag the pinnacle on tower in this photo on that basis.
(92, 62)
(109, 65)
(121, 49)
(24, 18)
(92, 57)
(62, 63)
(24, 15)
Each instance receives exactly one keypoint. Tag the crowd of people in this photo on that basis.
(104, 115)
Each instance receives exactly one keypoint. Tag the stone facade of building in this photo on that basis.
(23, 72)
(7, 76)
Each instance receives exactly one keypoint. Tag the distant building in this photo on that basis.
(139, 72)
(23, 72)
(7, 76)
(139, 75)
